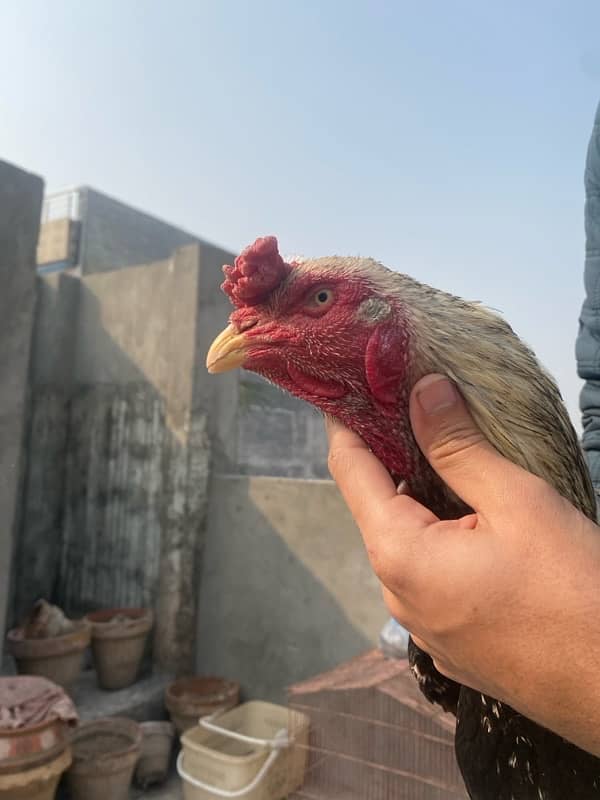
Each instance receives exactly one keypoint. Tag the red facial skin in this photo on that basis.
(326, 355)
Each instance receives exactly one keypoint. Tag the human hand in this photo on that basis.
(502, 599)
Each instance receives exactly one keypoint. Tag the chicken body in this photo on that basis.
(352, 338)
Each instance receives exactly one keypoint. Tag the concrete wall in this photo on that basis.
(138, 328)
(115, 235)
(278, 434)
(218, 394)
(58, 242)
(55, 332)
(20, 206)
(37, 556)
(139, 325)
(286, 590)
(117, 485)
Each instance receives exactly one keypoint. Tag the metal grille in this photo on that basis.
(374, 737)
(62, 205)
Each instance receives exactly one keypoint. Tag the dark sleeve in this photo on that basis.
(588, 339)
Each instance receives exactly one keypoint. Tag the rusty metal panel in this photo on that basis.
(113, 499)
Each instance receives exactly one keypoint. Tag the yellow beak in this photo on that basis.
(228, 351)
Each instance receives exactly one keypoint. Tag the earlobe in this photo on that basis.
(386, 361)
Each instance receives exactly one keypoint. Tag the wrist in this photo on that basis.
(555, 669)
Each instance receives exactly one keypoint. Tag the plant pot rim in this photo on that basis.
(120, 726)
(71, 641)
(103, 616)
(138, 622)
(36, 773)
(157, 728)
(189, 688)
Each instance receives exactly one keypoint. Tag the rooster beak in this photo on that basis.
(228, 351)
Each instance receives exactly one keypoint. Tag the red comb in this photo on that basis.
(256, 272)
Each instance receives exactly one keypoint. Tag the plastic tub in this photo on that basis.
(256, 751)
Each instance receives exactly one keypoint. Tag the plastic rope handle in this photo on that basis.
(273, 755)
(282, 739)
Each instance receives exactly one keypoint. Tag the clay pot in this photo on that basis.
(105, 753)
(188, 699)
(57, 658)
(157, 744)
(36, 783)
(118, 641)
(32, 745)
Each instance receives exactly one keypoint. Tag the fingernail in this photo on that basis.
(436, 393)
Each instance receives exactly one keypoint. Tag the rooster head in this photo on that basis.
(328, 330)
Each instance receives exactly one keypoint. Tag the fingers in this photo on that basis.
(380, 512)
(360, 476)
(455, 447)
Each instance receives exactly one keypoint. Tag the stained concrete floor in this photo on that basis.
(144, 700)
(171, 790)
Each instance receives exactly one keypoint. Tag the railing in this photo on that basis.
(62, 205)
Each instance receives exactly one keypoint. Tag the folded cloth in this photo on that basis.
(28, 700)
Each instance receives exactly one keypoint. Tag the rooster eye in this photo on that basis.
(323, 297)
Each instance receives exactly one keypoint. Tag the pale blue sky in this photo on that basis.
(446, 139)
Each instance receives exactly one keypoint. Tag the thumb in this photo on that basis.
(455, 447)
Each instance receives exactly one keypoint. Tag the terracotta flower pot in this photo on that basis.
(157, 745)
(118, 641)
(188, 699)
(57, 658)
(32, 745)
(35, 783)
(105, 753)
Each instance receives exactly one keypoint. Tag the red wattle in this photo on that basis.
(386, 363)
(316, 387)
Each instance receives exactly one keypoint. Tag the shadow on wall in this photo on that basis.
(115, 495)
(278, 434)
(286, 590)
(117, 487)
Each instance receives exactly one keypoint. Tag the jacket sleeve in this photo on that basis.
(588, 339)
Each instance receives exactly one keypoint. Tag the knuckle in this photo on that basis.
(393, 566)
(395, 605)
(377, 564)
(376, 554)
(338, 462)
(453, 443)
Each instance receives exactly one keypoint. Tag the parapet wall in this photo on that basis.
(286, 590)
(20, 206)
